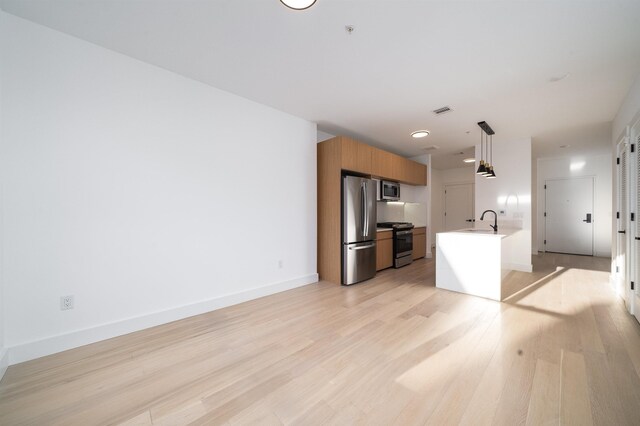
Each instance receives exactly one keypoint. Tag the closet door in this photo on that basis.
(633, 290)
(622, 218)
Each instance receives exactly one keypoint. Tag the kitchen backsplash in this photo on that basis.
(415, 213)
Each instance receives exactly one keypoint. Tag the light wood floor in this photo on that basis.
(394, 350)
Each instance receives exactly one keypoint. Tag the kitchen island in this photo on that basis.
(474, 261)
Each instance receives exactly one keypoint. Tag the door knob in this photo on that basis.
(588, 219)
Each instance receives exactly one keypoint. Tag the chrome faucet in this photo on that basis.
(495, 221)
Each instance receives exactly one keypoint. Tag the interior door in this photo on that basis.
(622, 217)
(458, 206)
(634, 293)
(569, 215)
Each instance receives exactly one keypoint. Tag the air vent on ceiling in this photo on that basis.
(442, 110)
(431, 148)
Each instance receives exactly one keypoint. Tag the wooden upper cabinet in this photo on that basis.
(393, 167)
(417, 173)
(384, 164)
(356, 156)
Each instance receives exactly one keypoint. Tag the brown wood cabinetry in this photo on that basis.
(383, 164)
(343, 153)
(384, 250)
(390, 166)
(419, 242)
(355, 156)
(415, 172)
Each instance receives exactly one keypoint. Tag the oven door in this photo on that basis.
(403, 244)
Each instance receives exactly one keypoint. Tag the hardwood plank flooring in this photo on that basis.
(561, 349)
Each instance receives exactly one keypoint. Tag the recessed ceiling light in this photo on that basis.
(420, 134)
(298, 4)
(565, 146)
(469, 160)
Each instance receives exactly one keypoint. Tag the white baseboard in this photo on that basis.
(4, 361)
(51, 345)
(522, 267)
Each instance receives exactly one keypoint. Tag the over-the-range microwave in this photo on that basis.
(389, 191)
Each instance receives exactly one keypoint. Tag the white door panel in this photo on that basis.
(458, 206)
(569, 216)
(634, 237)
(623, 194)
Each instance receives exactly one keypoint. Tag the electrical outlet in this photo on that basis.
(66, 302)
(280, 264)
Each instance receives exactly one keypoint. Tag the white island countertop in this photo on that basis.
(474, 260)
(502, 232)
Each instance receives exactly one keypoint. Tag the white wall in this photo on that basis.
(627, 113)
(439, 179)
(146, 195)
(323, 136)
(4, 359)
(510, 191)
(598, 167)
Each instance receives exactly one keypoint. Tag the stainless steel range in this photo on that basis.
(402, 242)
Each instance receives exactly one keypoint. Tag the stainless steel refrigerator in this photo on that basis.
(358, 229)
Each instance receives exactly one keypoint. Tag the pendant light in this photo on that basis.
(481, 169)
(492, 174)
(486, 168)
(487, 164)
(298, 4)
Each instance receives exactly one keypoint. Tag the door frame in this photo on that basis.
(444, 200)
(593, 205)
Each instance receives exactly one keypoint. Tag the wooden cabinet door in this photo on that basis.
(419, 242)
(356, 156)
(384, 251)
(418, 173)
(382, 164)
(390, 166)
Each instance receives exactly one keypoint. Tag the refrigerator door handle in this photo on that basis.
(366, 210)
(362, 247)
(363, 208)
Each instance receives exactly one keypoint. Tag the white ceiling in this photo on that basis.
(488, 60)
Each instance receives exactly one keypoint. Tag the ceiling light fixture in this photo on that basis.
(298, 4)
(469, 160)
(420, 134)
(486, 169)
